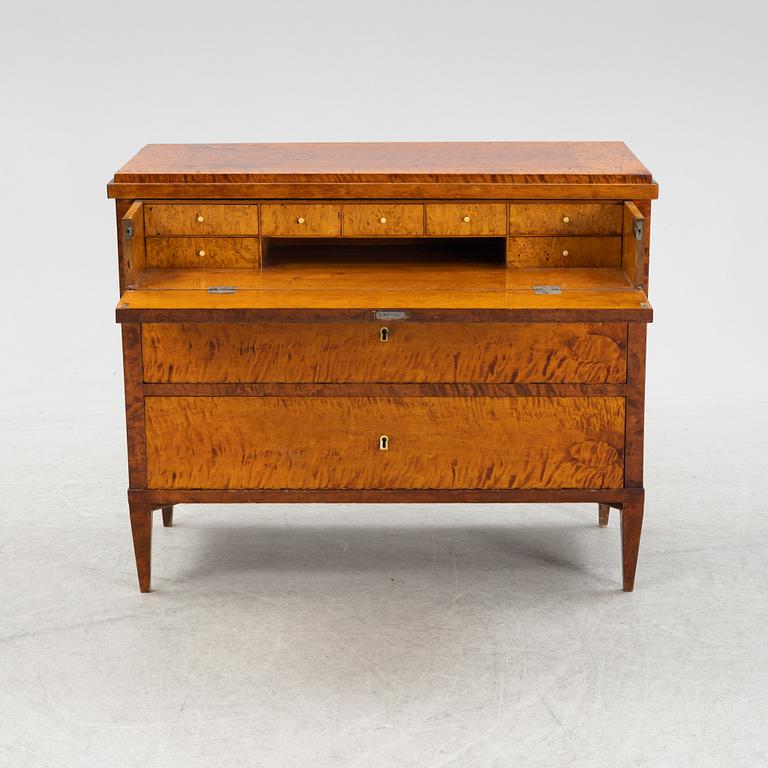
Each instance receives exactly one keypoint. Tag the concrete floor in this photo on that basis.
(387, 636)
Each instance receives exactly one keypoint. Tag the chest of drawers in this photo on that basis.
(384, 323)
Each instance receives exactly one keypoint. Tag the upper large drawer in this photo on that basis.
(200, 219)
(565, 218)
(591, 353)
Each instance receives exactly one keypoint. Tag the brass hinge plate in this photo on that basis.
(222, 289)
(546, 290)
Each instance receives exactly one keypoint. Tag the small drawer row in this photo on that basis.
(382, 219)
(217, 252)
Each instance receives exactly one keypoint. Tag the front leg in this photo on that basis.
(141, 528)
(631, 528)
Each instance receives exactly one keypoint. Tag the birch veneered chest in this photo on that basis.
(384, 322)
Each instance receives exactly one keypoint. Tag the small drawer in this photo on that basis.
(301, 220)
(203, 252)
(384, 442)
(564, 252)
(498, 353)
(469, 219)
(565, 219)
(200, 219)
(384, 220)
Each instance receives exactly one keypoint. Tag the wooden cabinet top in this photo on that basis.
(442, 169)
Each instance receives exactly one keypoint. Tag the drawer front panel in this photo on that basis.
(334, 442)
(383, 220)
(590, 353)
(301, 220)
(203, 252)
(200, 219)
(565, 218)
(469, 219)
(564, 251)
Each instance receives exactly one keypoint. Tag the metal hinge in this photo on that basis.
(546, 289)
(128, 230)
(221, 289)
(638, 228)
(390, 314)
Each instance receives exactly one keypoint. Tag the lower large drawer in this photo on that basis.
(586, 353)
(431, 442)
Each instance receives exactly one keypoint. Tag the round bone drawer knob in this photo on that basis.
(201, 253)
(300, 220)
(565, 253)
(200, 218)
(383, 220)
(466, 219)
(566, 220)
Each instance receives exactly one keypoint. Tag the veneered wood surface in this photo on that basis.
(364, 389)
(383, 220)
(333, 442)
(549, 218)
(417, 276)
(484, 219)
(485, 162)
(382, 190)
(134, 406)
(635, 432)
(141, 529)
(218, 252)
(358, 306)
(631, 530)
(132, 251)
(645, 208)
(284, 220)
(354, 352)
(183, 219)
(160, 496)
(577, 251)
(633, 250)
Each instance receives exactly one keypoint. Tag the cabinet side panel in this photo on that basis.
(134, 406)
(633, 450)
(121, 208)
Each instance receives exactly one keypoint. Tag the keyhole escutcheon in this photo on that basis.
(384, 443)
(384, 334)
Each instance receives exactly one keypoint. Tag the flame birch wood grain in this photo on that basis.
(354, 352)
(434, 442)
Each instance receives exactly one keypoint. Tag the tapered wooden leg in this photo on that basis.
(631, 528)
(168, 516)
(141, 527)
(603, 513)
